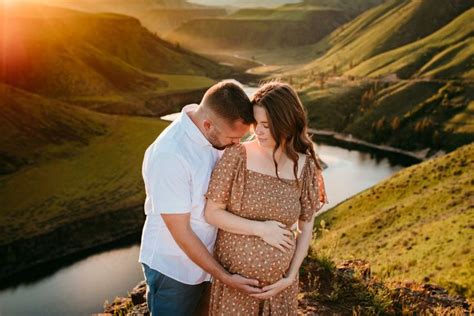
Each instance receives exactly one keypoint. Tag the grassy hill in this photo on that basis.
(159, 16)
(417, 224)
(163, 20)
(356, 6)
(260, 28)
(101, 58)
(245, 3)
(73, 178)
(383, 28)
(445, 54)
(34, 129)
(399, 74)
(412, 115)
(116, 6)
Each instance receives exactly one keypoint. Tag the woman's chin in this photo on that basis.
(265, 143)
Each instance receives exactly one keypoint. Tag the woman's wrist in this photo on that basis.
(257, 228)
(292, 275)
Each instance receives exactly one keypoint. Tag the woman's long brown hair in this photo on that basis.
(287, 121)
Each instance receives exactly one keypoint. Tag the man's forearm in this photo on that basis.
(180, 228)
(199, 254)
(193, 247)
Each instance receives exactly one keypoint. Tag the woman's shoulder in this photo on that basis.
(310, 166)
(234, 151)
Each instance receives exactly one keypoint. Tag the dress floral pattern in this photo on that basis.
(258, 196)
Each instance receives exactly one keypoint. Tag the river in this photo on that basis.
(79, 286)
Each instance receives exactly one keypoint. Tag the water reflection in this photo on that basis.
(350, 172)
(80, 289)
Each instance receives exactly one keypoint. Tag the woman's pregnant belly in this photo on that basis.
(251, 257)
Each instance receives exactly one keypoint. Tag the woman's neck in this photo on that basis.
(268, 152)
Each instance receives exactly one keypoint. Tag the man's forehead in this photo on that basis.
(236, 127)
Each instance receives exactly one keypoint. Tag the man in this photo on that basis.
(177, 242)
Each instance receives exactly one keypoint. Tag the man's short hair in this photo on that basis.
(228, 100)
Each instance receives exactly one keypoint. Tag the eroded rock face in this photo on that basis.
(138, 294)
(135, 304)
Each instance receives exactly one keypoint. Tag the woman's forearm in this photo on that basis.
(302, 245)
(216, 215)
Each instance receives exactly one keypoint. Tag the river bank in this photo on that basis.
(350, 142)
(80, 237)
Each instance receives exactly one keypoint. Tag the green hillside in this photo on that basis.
(355, 6)
(392, 77)
(416, 225)
(118, 6)
(260, 28)
(383, 28)
(102, 58)
(447, 53)
(73, 178)
(34, 129)
(412, 115)
(162, 21)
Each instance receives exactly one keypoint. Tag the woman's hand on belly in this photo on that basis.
(277, 235)
(275, 288)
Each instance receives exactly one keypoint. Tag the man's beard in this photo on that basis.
(213, 139)
(220, 147)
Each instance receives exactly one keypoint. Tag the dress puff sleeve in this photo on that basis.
(227, 176)
(313, 194)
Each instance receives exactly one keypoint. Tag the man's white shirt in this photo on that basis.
(176, 170)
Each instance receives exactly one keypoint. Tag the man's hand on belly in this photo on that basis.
(180, 228)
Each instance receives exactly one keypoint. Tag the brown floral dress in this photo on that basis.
(258, 196)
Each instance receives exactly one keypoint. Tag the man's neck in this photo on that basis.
(197, 117)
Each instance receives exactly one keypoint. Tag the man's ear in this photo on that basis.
(207, 125)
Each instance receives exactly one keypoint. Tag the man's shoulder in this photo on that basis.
(170, 139)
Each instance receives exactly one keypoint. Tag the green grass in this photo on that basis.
(384, 28)
(415, 225)
(183, 83)
(351, 5)
(259, 29)
(102, 177)
(135, 102)
(34, 129)
(445, 54)
(164, 20)
(63, 164)
(284, 13)
(412, 115)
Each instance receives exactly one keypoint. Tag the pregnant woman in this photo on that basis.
(275, 177)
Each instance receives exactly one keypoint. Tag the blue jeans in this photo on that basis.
(166, 296)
